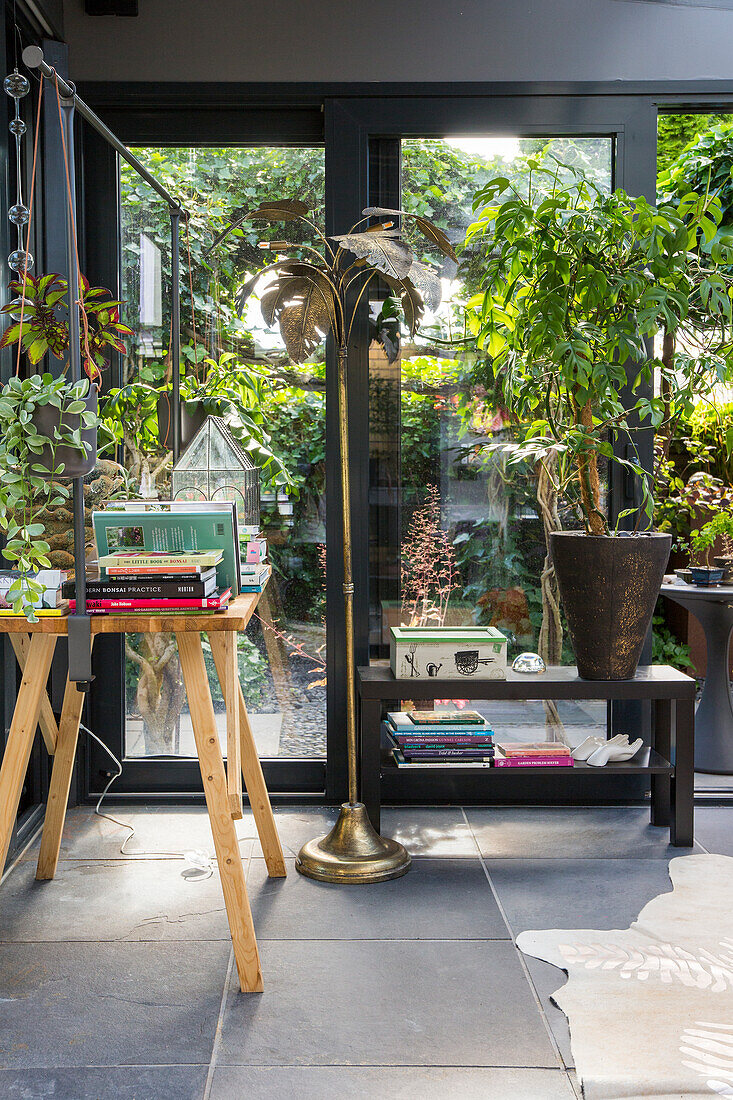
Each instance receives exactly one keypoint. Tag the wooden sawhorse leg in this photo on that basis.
(21, 733)
(231, 869)
(254, 780)
(21, 644)
(58, 791)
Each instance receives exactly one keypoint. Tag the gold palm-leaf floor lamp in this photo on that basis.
(308, 298)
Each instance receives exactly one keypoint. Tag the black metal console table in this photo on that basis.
(669, 762)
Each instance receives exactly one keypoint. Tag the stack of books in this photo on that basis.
(254, 565)
(420, 738)
(533, 754)
(159, 581)
(50, 603)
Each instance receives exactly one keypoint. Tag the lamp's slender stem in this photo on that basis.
(343, 409)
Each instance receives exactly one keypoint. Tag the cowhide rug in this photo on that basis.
(650, 1007)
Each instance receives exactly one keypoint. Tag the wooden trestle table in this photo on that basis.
(34, 645)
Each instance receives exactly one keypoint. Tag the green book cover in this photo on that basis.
(171, 531)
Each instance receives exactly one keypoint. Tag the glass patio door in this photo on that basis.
(434, 491)
(277, 413)
(456, 532)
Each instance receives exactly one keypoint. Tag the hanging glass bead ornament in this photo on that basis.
(18, 213)
(16, 86)
(17, 260)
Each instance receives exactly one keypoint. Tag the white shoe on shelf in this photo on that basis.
(591, 744)
(614, 752)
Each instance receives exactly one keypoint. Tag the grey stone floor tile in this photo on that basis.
(159, 830)
(576, 893)
(137, 899)
(128, 1083)
(412, 1002)
(547, 979)
(390, 1082)
(296, 825)
(714, 828)
(429, 830)
(103, 1004)
(436, 899)
(577, 832)
(166, 830)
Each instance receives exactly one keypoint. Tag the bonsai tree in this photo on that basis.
(576, 285)
(721, 527)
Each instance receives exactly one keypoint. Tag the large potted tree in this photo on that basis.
(576, 285)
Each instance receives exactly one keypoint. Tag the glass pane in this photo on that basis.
(694, 472)
(455, 532)
(241, 359)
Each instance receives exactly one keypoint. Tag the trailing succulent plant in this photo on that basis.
(41, 329)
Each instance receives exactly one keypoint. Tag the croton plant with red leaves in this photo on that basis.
(43, 330)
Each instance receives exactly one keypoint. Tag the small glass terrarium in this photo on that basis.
(215, 466)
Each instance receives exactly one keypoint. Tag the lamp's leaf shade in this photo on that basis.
(304, 324)
(384, 250)
(284, 210)
(432, 232)
(427, 284)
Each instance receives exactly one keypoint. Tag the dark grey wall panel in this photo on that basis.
(401, 40)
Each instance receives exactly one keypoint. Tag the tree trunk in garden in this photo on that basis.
(590, 485)
(160, 693)
(665, 433)
(550, 639)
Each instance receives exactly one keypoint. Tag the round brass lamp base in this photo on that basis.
(353, 852)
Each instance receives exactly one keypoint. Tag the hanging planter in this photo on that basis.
(54, 422)
(33, 473)
(192, 413)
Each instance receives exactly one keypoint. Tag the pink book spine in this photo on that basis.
(533, 762)
(150, 605)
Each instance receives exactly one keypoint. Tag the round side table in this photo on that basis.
(713, 608)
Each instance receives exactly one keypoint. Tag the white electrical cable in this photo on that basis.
(196, 859)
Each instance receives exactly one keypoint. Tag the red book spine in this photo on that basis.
(533, 762)
(213, 602)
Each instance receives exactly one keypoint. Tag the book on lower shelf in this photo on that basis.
(439, 747)
(545, 754)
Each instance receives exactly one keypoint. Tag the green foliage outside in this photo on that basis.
(442, 410)
(676, 132)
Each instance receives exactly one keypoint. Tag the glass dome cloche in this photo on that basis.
(215, 466)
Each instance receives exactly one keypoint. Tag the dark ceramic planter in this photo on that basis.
(46, 418)
(609, 586)
(193, 416)
(704, 576)
(726, 564)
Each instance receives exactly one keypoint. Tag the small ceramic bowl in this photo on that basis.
(684, 575)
